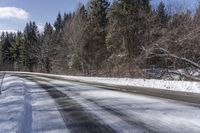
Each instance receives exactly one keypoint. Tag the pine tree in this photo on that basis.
(98, 12)
(31, 47)
(67, 18)
(58, 23)
(17, 46)
(58, 45)
(128, 25)
(96, 32)
(6, 49)
(2, 38)
(47, 48)
(162, 16)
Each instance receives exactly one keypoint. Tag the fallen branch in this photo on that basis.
(179, 58)
(184, 75)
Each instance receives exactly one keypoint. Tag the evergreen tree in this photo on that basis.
(58, 23)
(58, 45)
(15, 50)
(128, 24)
(2, 38)
(162, 16)
(96, 32)
(31, 47)
(6, 49)
(98, 12)
(67, 18)
(47, 48)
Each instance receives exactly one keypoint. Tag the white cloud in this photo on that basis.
(13, 12)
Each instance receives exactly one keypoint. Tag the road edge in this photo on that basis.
(161, 93)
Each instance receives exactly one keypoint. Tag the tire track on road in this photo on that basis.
(76, 119)
(124, 117)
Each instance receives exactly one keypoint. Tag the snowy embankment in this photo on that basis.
(183, 86)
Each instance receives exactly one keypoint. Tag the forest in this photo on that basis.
(125, 38)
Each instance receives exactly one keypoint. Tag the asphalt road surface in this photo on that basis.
(63, 106)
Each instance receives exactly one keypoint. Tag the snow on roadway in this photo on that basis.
(150, 114)
(45, 115)
(184, 86)
(12, 105)
(27, 108)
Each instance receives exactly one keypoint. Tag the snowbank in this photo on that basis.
(183, 86)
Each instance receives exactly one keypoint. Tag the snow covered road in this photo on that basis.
(39, 104)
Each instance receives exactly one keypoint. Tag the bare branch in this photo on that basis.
(179, 58)
(184, 75)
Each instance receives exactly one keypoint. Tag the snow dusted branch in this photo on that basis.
(158, 51)
(184, 75)
(166, 52)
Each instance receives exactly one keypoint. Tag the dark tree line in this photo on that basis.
(123, 38)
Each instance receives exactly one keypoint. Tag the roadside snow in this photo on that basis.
(12, 105)
(184, 86)
(25, 107)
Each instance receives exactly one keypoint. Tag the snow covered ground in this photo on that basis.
(12, 105)
(184, 86)
(38, 104)
(25, 107)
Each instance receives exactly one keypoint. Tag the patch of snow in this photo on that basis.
(184, 86)
(25, 107)
(45, 115)
(12, 105)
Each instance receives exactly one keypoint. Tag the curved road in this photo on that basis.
(81, 108)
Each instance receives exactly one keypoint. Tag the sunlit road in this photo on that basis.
(62, 106)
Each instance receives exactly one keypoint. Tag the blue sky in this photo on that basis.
(40, 11)
(14, 14)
